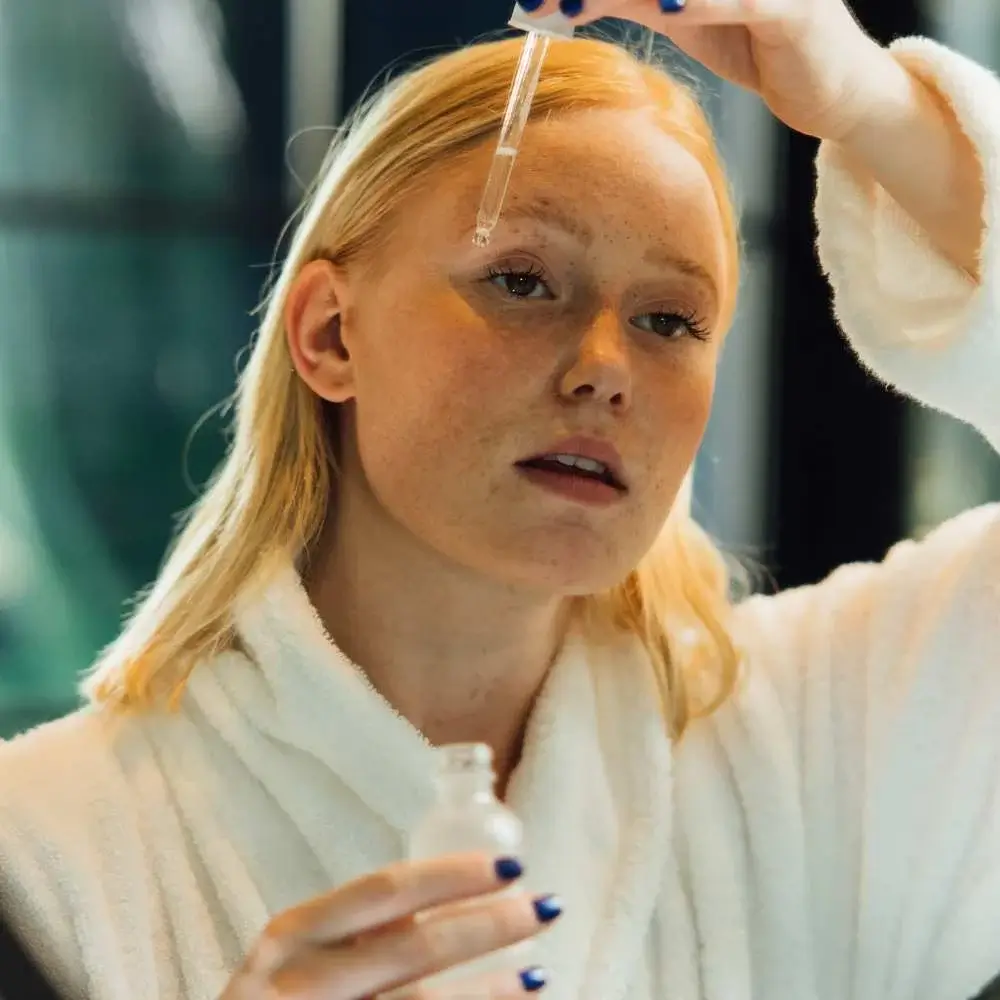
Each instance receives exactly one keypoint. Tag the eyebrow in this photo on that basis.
(668, 260)
(551, 215)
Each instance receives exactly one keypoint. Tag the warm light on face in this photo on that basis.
(593, 310)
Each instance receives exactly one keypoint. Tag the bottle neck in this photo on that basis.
(465, 775)
(456, 790)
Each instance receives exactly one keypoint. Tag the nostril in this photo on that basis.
(583, 390)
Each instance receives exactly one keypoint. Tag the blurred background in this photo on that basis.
(146, 168)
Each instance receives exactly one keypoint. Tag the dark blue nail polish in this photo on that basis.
(534, 979)
(508, 869)
(547, 908)
(672, 6)
(530, 6)
(571, 8)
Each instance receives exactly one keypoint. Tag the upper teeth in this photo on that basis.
(578, 462)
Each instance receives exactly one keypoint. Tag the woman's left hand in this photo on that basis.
(809, 60)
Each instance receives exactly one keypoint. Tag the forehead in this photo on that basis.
(605, 176)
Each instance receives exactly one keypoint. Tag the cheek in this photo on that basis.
(699, 403)
(432, 380)
(682, 407)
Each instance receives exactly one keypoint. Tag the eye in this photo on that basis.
(519, 282)
(672, 325)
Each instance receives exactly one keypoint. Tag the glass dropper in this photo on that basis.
(539, 34)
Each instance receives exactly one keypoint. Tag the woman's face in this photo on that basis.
(591, 315)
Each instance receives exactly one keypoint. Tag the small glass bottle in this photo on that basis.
(468, 816)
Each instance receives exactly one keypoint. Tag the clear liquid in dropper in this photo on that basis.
(496, 190)
(519, 101)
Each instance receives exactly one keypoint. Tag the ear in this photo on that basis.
(314, 326)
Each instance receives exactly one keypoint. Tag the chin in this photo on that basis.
(572, 572)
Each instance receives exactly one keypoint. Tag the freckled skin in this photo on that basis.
(454, 379)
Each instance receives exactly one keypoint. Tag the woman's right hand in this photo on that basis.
(385, 932)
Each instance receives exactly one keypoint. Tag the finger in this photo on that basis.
(592, 10)
(730, 11)
(408, 951)
(497, 986)
(378, 899)
(663, 15)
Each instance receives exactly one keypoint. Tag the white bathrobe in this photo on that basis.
(833, 832)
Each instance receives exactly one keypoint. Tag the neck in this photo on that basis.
(461, 658)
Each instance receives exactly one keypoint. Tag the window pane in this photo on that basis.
(113, 347)
(115, 95)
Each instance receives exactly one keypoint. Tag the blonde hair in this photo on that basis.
(268, 500)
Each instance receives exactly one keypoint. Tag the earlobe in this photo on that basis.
(314, 327)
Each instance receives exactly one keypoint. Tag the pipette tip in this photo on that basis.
(482, 237)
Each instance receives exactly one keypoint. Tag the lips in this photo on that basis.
(588, 458)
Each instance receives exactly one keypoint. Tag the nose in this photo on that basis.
(600, 370)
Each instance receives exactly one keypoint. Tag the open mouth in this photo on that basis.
(575, 467)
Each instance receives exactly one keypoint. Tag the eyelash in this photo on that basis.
(695, 327)
(516, 272)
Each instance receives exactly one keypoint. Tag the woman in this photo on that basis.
(797, 797)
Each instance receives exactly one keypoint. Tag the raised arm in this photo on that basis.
(914, 145)
(908, 236)
(873, 699)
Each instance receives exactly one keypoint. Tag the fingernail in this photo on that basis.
(571, 8)
(672, 6)
(534, 979)
(547, 908)
(530, 6)
(508, 869)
